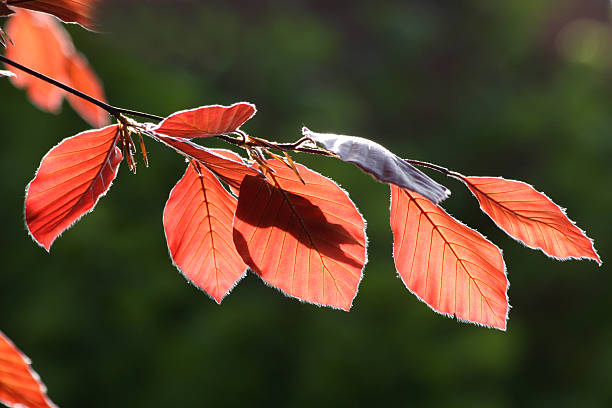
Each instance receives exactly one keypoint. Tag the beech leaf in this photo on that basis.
(198, 221)
(69, 11)
(228, 154)
(229, 169)
(41, 43)
(531, 218)
(69, 182)
(20, 386)
(206, 121)
(308, 240)
(379, 162)
(82, 78)
(449, 266)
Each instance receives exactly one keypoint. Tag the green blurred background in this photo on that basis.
(520, 89)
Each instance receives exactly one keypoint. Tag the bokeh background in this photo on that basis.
(520, 89)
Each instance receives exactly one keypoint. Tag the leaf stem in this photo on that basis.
(432, 166)
(112, 110)
(283, 147)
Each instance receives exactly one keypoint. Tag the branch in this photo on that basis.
(432, 166)
(112, 110)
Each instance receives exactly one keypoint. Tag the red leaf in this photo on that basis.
(228, 154)
(230, 170)
(198, 225)
(69, 182)
(449, 266)
(206, 121)
(69, 11)
(82, 78)
(530, 217)
(20, 386)
(306, 240)
(41, 43)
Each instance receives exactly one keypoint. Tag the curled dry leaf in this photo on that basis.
(69, 11)
(530, 217)
(226, 167)
(198, 221)
(20, 386)
(451, 267)
(41, 43)
(69, 182)
(381, 163)
(308, 240)
(206, 121)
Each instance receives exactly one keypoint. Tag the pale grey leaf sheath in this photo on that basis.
(381, 163)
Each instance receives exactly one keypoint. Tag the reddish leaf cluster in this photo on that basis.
(42, 44)
(297, 229)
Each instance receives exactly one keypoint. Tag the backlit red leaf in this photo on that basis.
(530, 217)
(228, 154)
(308, 240)
(449, 266)
(206, 121)
(380, 162)
(41, 43)
(20, 386)
(82, 77)
(69, 11)
(227, 168)
(198, 224)
(69, 182)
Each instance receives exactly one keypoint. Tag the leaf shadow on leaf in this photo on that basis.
(308, 225)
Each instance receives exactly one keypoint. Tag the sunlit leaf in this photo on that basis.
(206, 121)
(69, 11)
(381, 163)
(69, 182)
(452, 268)
(82, 78)
(228, 154)
(308, 240)
(530, 217)
(41, 43)
(198, 225)
(20, 386)
(228, 169)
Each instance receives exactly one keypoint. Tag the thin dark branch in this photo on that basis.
(432, 166)
(283, 147)
(112, 110)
